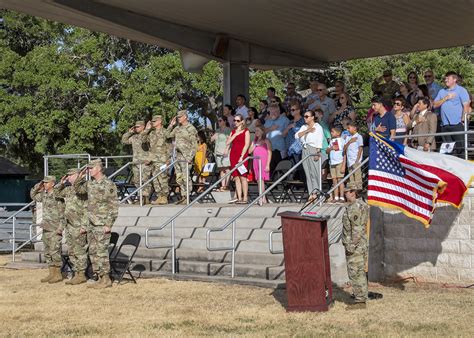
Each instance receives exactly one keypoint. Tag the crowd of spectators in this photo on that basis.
(325, 129)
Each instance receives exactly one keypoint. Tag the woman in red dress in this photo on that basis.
(239, 142)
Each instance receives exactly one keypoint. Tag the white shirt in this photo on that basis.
(244, 111)
(336, 155)
(353, 149)
(313, 139)
(422, 114)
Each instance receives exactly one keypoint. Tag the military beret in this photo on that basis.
(47, 179)
(351, 186)
(73, 171)
(94, 163)
(156, 117)
(139, 123)
(182, 113)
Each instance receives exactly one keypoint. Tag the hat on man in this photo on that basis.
(387, 72)
(351, 186)
(47, 179)
(73, 171)
(95, 163)
(139, 123)
(156, 117)
(182, 113)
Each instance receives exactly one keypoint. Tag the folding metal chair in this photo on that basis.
(114, 237)
(121, 262)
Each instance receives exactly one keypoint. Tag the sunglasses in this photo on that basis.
(397, 104)
(307, 116)
(237, 120)
(319, 90)
(412, 77)
(293, 109)
(428, 76)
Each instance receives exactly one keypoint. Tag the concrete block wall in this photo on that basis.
(442, 253)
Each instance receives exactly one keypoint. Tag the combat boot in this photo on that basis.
(105, 282)
(145, 200)
(78, 278)
(357, 306)
(95, 283)
(160, 201)
(57, 275)
(48, 277)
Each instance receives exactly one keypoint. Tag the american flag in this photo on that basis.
(397, 182)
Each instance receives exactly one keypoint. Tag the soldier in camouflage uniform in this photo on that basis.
(140, 156)
(185, 136)
(52, 224)
(387, 89)
(354, 239)
(76, 225)
(102, 210)
(155, 135)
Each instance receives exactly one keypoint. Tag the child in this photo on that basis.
(262, 148)
(336, 163)
(200, 160)
(353, 153)
(345, 133)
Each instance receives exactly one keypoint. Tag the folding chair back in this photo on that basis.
(120, 264)
(114, 237)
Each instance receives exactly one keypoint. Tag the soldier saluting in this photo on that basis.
(52, 224)
(354, 239)
(140, 156)
(75, 214)
(155, 135)
(102, 210)
(185, 136)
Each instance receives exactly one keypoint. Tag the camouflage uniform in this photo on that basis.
(140, 155)
(388, 90)
(186, 145)
(158, 156)
(354, 239)
(52, 223)
(102, 210)
(76, 219)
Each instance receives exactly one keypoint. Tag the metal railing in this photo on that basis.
(232, 221)
(172, 219)
(140, 188)
(116, 172)
(64, 156)
(467, 149)
(107, 158)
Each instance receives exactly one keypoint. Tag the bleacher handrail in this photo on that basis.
(17, 212)
(142, 185)
(241, 212)
(62, 156)
(466, 138)
(180, 212)
(116, 172)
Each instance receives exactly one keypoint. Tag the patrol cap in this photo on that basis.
(182, 113)
(351, 186)
(73, 171)
(139, 123)
(95, 163)
(156, 117)
(387, 72)
(47, 179)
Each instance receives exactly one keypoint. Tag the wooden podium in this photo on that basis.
(307, 267)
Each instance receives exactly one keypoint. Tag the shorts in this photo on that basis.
(335, 171)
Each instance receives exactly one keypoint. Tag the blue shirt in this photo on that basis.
(434, 89)
(276, 136)
(452, 109)
(388, 121)
(293, 144)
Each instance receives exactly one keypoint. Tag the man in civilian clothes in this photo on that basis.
(455, 103)
(384, 122)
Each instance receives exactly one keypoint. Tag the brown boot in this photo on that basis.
(160, 201)
(357, 306)
(94, 284)
(48, 277)
(105, 282)
(57, 275)
(78, 278)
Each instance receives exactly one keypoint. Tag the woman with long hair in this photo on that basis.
(311, 136)
(261, 148)
(238, 144)
(345, 110)
(402, 115)
(222, 161)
